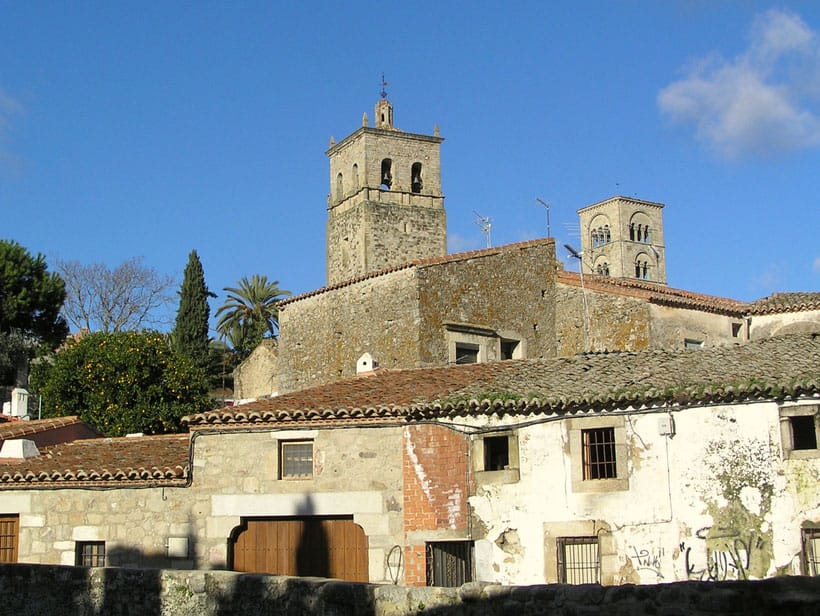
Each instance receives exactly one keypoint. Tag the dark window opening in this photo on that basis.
(90, 554)
(602, 269)
(578, 561)
(804, 435)
(598, 453)
(387, 173)
(415, 178)
(296, 459)
(736, 329)
(466, 354)
(642, 270)
(632, 232)
(449, 563)
(339, 187)
(496, 453)
(508, 348)
(355, 176)
(691, 343)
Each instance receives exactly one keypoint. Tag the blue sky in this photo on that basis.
(147, 129)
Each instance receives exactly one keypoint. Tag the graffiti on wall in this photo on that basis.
(648, 559)
(729, 554)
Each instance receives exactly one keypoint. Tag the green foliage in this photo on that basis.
(250, 313)
(30, 302)
(190, 335)
(122, 382)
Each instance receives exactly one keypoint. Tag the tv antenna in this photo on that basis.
(547, 206)
(485, 223)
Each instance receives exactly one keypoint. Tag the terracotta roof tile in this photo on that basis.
(127, 462)
(780, 366)
(656, 293)
(21, 429)
(786, 302)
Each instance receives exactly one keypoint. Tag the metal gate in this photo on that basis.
(310, 546)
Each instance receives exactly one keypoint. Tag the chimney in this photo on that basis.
(366, 363)
(19, 448)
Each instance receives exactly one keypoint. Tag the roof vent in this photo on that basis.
(134, 434)
(19, 448)
(366, 363)
(18, 406)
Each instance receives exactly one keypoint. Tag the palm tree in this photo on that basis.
(250, 313)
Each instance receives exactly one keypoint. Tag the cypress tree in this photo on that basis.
(191, 330)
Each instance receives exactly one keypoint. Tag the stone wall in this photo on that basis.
(256, 376)
(33, 590)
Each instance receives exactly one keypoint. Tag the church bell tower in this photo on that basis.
(385, 205)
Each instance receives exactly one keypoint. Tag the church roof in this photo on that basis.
(785, 366)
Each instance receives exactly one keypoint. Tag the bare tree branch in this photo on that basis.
(125, 298)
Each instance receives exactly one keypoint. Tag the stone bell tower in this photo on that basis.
(623, 238)
(385, 205)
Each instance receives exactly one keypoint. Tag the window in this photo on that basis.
(642, 268)
(598, 452)
(811, 551)
(578, 561)
(90, 554)
(339, 187)
(691, 343)
(296, 459)
(449, 563)
(355, 176)
(466, 353)
(602, 269)
(415, 178)
(387, 173)
(799, 431)
(736, 329)
(510, 349)
(8, 538)
(496, 453)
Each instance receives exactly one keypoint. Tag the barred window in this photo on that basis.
(578, 561)
(811, 551)
(449, 563)
(90, 554)
(296, 459)
(598, 453)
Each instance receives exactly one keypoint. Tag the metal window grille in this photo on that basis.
(811, 551)
(578, 561)
(449, 563)
(296, 459)
(599, 453)
(90, 554)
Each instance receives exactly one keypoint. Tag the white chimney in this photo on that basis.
(20, 448)
(366, 363)
(19, 402)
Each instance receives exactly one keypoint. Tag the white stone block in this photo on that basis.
(32, 521)
(86, 533)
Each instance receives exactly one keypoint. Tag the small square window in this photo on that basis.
(509, 349)
(736, 329)
(90, 554)
(466, 353)
(296, 459)
(804, 435)
(598, 453)
(496, 453)
(691, 343)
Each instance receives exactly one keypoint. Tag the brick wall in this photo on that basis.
(435, 473)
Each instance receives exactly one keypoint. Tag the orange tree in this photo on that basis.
(121, 383)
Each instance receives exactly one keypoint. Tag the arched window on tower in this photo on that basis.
(645, 239)
(355, 176)
(632, 232)
(387, 173)
(602, 269)
(595, 242)
(415, 178)
(607, 236)
(339, 188)
(642, 267)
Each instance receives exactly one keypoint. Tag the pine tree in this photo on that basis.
(191, 330)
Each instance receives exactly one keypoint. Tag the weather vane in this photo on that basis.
(384, 86)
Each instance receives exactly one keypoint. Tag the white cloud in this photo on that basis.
(764, 101)
(816, 265)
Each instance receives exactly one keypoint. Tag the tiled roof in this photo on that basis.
(655, 293)
(450, 258)
(21, 429)
(786, 366)
(785, 302)
(102, 462)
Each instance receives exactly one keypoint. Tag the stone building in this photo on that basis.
(392, 291)
(618, 468)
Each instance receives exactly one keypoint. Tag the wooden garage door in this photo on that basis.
(8, 538)
(313, 546)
